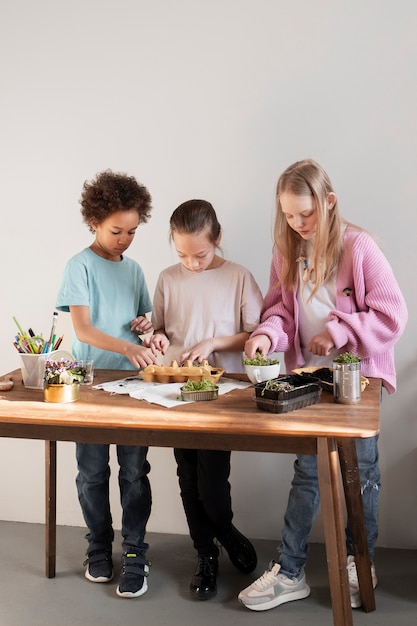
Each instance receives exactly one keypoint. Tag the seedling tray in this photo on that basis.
(303, 394)
(200, 395)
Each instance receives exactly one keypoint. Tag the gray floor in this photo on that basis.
(27, 598)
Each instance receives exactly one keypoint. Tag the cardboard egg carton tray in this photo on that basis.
(175, 373)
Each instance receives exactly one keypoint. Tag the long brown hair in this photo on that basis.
(308, 178)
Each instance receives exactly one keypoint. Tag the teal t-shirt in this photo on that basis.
(115, 292)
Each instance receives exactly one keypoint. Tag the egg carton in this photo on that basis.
(175, 373)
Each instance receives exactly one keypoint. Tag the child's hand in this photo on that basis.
(140, 356)
(321, 344)
(159, 341)
(198, 352)
(141, 325)
(259, 343)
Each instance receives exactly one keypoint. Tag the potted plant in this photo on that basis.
(347, 357)
(261, 368)
(260, 360)
(62, 380)
(347, 378)
(196, 390)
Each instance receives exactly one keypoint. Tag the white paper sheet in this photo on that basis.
(124, 385)
(166, 395)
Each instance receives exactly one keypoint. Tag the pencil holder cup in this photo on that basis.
(33, 367)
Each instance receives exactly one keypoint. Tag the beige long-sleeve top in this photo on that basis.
(192, 306)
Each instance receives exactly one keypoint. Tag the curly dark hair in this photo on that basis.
(110, 192)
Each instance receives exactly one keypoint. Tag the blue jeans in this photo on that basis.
(93, 494)
(304, 500)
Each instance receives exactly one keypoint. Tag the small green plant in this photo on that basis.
(205, 384)
(347, 357)
(275, 385)
(259, 360)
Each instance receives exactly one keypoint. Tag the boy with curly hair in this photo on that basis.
(104, 290)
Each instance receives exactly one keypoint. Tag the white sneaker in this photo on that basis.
(273, 589)
(355, 596)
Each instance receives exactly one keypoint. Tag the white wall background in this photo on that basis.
(210, 99)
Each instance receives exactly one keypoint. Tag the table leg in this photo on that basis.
(50, 508)
(354, 508)
(334, 531)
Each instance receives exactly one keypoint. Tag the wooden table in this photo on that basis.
(232, 422)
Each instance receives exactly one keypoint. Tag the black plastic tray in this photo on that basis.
(305, 392)
(325, 377)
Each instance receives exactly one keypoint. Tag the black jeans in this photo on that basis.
(205, 491)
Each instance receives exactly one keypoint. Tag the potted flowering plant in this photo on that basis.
(62, 380)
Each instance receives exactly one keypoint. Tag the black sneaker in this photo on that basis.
(240, 550)
(204, 582)
(99, 565)
(135, 570)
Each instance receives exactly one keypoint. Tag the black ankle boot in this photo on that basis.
(240, 550)
(204, 582)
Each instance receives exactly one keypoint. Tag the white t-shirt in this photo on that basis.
(313, 316)
(192, 306)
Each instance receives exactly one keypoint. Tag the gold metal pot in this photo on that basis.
(61, 393)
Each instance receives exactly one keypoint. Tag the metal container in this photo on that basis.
(199, 395)
(347, 382)
(61, 393)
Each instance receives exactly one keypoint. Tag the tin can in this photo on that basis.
(347, 382)
(61, 393)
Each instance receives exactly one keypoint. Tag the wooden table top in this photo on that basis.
(233, 418)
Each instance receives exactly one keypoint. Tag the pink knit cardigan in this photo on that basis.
(370, 314)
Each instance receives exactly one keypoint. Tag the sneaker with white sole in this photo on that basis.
(99, 565)
(273, 589)
(355, 596)
(133, 577)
